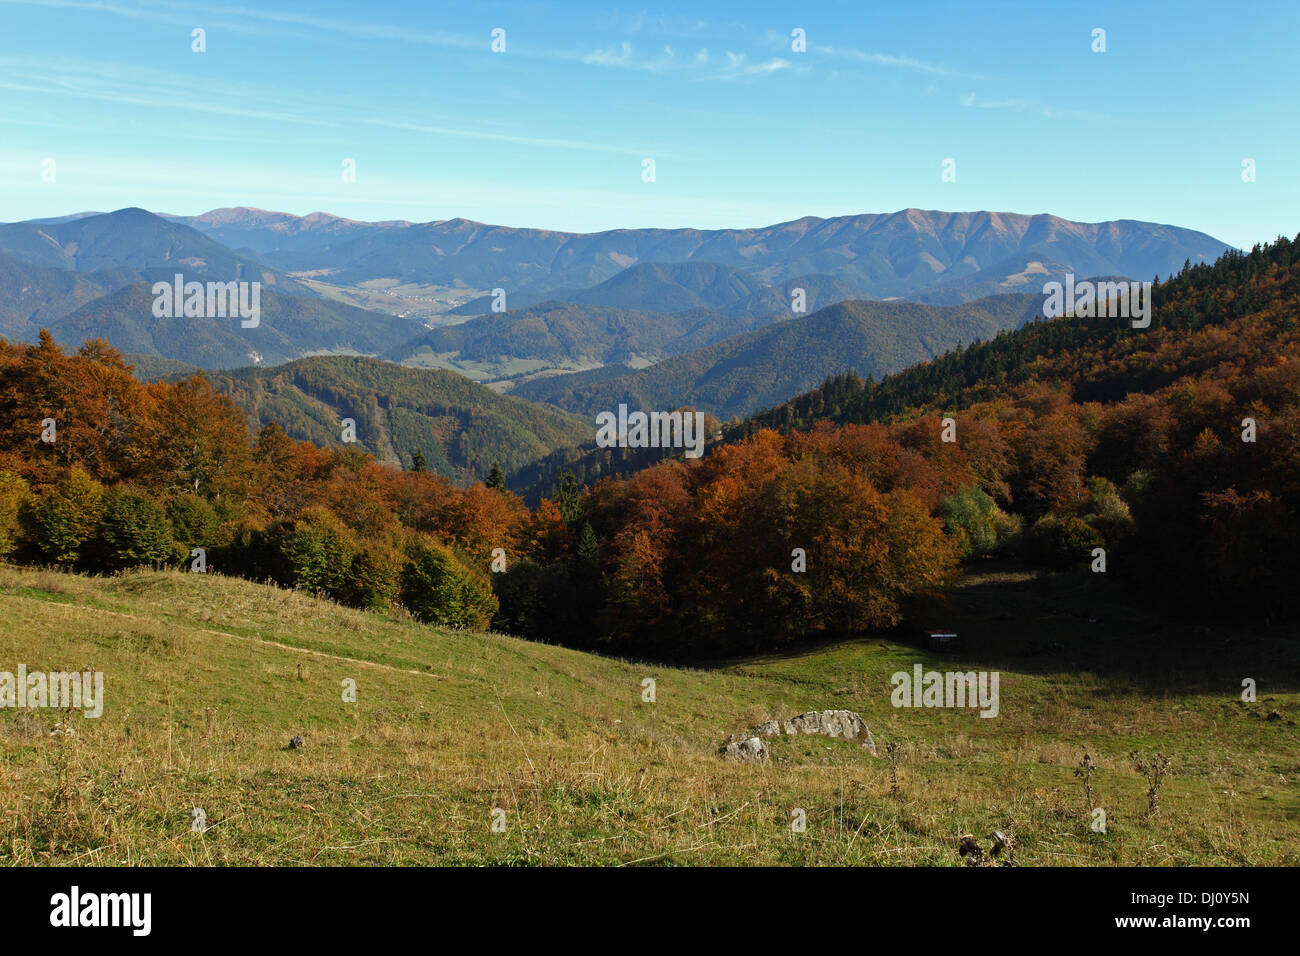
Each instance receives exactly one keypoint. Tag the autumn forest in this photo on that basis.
(1171, 455)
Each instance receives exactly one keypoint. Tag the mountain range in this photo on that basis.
(728, 320)
(906, 253)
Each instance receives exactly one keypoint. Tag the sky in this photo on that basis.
(106, 104)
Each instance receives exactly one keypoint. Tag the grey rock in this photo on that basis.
(843, 724)
(748, 750)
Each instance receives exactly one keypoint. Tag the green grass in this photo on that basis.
(203, 692)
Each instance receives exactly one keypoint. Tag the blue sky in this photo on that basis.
(743, 130)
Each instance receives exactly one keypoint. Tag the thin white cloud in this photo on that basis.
(887, 59)
(738, 65)
(136, 86)
(624, 57)
(169, 11)
(608, 57)
(307, 25)
(516, 139)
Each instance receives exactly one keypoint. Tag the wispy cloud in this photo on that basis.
(623, 56)
(137, 86)
(247, 19)
(738, 66)
(516, 139)
(151, 88)
(306, 25)
(888, 59)
(610, 57)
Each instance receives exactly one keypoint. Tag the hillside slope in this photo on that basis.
(557, 334)
(135, 240)
(742, 374)
(462, 428)
(206, 678)
(289, 327)
(1227, 319)
(32, 295)
(657, 286)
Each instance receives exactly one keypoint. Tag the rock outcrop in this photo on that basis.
(745, 750)
(842, 724)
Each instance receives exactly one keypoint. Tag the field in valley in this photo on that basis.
(207, 678)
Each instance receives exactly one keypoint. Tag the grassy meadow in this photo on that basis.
(207, 678)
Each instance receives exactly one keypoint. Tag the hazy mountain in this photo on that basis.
(128, 238)
(658, 286)
(819, 291)
(262, 230)
(595, 331)
(560, 333)
(57, 219)
(289, 328)
(882, 255)
(461, 427)
(132, 243)
(32, 296)
(770, 304)
(674, 287)
(757, 369)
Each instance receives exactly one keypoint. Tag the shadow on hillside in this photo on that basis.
(1009, 618)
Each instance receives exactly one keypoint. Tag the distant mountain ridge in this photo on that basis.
(903, 254)
(264, 231)
(132, 239)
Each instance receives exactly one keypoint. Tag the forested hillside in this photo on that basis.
(288, 327)
(1196, 420)
(1167, 458)
(461, 428)
(31, 295)
(740, 375)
